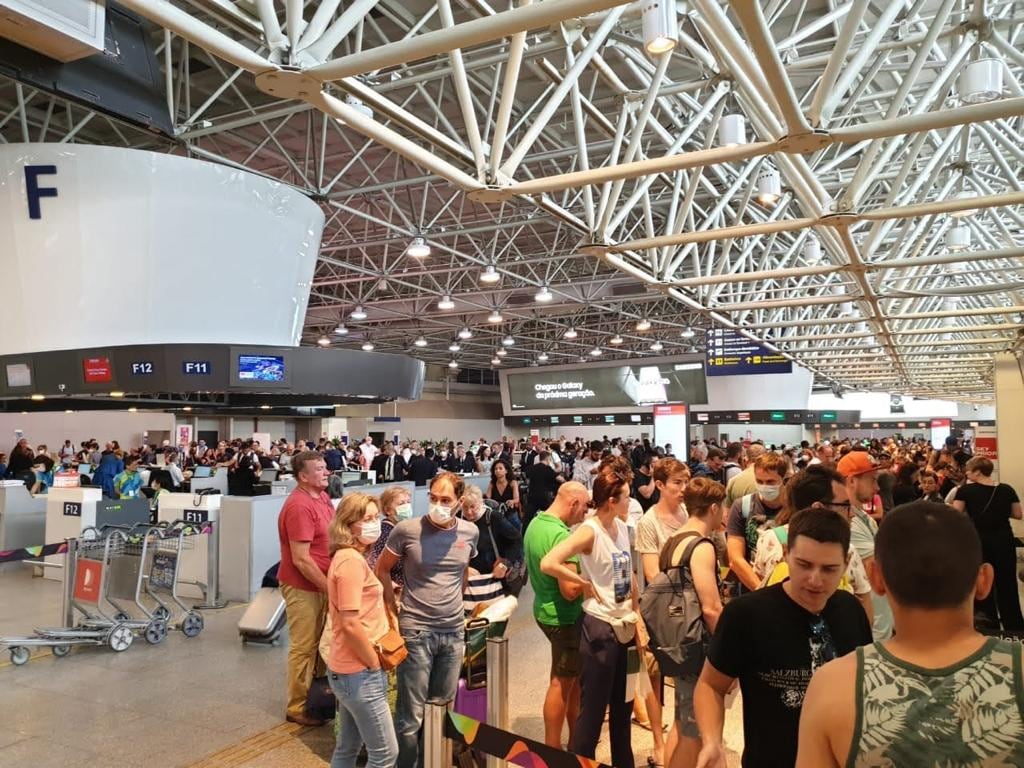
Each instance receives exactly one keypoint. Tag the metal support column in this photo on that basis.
(437, 750)
(497, 690)
(67, 609)
(213, 568)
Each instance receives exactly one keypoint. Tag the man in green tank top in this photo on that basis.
(938, 694)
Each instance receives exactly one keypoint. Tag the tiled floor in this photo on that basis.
(207, 702)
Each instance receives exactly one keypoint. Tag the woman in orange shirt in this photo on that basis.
(358, 620)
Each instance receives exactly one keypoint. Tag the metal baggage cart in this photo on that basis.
(163, 577)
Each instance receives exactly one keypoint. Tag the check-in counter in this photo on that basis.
(68, 512)
(22, 518)
(249, 543)
(218, 480)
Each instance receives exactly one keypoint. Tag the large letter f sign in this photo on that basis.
(34, 192)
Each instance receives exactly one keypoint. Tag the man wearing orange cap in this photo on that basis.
(860, 472)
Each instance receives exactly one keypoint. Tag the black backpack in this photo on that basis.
(671, 610)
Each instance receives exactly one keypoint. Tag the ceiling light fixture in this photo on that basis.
(687, 333)
(596, 352)
(264, 407)
(616, 340)
(418, 248)
(958, 238)
(37, 398)
(117, 393)
(324, 341)
(133, 409)
(359, 106)
(368, 346)
(660, 26)
(446, 303)
(420, 342)
(508, 341)
(495, 317)
(490, 275)
(341, 330)
(543, 357)
(571, 333)
(769, 186)
(358, 313)
(501, 352)
(643, 324)
(981, 81)
(543, 295)
(495, 361)
(812, 249)
(657, 346)
(732, 130)
(454, 347)
(465, 333)
(453, 364)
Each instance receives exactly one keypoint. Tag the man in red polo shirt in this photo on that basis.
(305, 559)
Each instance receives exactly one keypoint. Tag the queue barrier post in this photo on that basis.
(497, 690)
(67, 608)
(212, 587)
(437, 748)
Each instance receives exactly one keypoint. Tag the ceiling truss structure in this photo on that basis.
(540, 139)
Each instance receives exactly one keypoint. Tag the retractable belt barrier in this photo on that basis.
(60, 548)
(510, 747)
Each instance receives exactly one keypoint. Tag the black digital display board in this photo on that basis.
(730, 353)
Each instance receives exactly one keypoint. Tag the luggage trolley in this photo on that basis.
(127, 578)
(163, 575)
(91, 567)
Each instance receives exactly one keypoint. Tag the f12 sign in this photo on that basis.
(196, 367)
(72, 509)
(142, 368)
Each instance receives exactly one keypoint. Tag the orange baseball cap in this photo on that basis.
(856, 463)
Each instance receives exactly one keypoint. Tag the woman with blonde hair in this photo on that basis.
(358, 619)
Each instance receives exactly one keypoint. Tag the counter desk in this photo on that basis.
(22, 519)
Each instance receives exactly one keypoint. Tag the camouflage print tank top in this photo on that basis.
(969, 714)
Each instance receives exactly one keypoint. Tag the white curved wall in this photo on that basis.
(142, 248)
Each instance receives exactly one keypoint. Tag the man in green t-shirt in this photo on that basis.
(557, 608)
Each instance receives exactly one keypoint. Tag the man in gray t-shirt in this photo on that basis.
(435, 552)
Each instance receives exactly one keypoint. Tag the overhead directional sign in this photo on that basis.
(730, 354)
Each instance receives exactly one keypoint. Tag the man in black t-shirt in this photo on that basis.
(773, 640)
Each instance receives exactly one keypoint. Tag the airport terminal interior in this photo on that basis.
(307, 304)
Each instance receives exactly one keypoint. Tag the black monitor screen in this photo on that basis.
(260, 368)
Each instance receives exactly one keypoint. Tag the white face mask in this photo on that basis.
(369, 532)
(440, 514)
(444, 454)
(403, 511)
(769, 492)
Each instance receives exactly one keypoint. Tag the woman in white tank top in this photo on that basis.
(610, 612)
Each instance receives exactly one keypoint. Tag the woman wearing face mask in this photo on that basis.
(610, 612)
(358, 619)
(395, 506)
(501, 544)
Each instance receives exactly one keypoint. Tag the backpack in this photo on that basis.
(671, 611)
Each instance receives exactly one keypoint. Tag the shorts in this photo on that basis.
(650, 664)
(685, 687)
(565, 648)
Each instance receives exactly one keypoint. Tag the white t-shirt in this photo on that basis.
(609, 568)
(369, 450)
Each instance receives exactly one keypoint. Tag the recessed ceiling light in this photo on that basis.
(367, 346)
(657, 346)
(418, 248)
(116, 393)
(446, 303)
(454, 346)
(186, 408)
(465, 333)
(643, 324)
(38, 397)
(323, 341)
(495, 317)
(543, 295)
(420, 341)
(687, 333)
(501, 352)
(133, 409)
(508, 341)
(358, 313)
(571, 333)
(264, 407)
(616, 340)
(341, 330)
(490, 275)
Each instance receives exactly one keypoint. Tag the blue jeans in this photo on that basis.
(363, 718)
(430, 671)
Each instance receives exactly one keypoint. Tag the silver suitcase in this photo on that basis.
(264, 619)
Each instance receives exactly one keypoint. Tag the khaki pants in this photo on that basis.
(307, 612)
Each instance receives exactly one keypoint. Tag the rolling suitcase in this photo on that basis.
(264, 619)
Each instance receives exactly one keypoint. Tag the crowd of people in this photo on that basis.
(827, 575)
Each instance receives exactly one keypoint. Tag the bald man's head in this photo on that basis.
(756, 450)
(571, 504)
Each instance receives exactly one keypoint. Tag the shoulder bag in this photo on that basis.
(390, 646)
